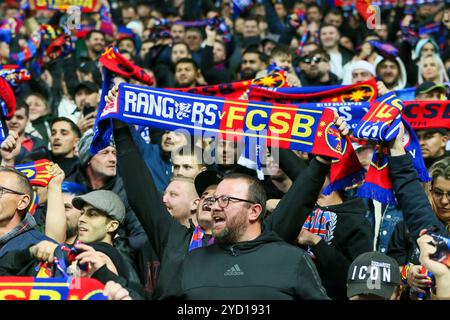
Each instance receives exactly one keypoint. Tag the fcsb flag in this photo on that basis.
(37, 172)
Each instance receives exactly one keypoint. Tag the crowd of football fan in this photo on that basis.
(154, 222)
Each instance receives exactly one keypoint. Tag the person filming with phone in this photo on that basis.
(87, 98)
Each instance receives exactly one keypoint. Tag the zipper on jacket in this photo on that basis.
(233, 253)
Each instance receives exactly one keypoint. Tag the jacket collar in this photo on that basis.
(26, 224)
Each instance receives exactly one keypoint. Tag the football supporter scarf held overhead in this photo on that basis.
(359, 92)
(382, 124)
(87, 6)
(419, 114)
(234, 90)
(116, 64)
(282, 126)
(36, 172)
(10, 76)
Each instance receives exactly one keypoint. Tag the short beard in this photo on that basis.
(248, 74)
(233, 232)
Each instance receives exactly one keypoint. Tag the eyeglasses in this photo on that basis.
(4, 189)
(315, 59)
(440, 194)
(224, 201)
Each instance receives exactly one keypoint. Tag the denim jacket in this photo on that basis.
(391, 215)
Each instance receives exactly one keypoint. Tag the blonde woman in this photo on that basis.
(431, 68)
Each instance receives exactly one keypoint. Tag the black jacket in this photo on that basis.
(411, 197)
(170, 240)
(266, 268)
(307, 82)
(349, 235)
(349, 232)
(402, 247)
(214, 73)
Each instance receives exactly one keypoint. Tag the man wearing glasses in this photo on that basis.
(17, 226)
(420, 212)
(248, 260)
(315, 69)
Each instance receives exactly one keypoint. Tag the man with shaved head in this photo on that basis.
(181, 199)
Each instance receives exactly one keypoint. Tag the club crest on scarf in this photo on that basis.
(272, 80)
(359, 94)
(376, 123)
(333, 138)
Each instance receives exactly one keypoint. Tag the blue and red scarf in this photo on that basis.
(359, 92)
(235, 90)
(381, 124)
(114, 63)
(197, 239)
(37, 172)
(282, 126)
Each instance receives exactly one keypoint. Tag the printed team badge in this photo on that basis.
(273, 80)
(334, 140)
(361, 93)
(379, 159)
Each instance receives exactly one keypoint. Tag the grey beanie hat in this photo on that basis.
(84, 153)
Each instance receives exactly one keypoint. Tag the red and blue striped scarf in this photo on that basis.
(197, 239)
(381, 124)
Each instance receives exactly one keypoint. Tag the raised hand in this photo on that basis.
(112, 94)
(10, 148)
(58, 175)
(382, 90)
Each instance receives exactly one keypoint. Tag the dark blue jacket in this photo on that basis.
(22, 237)
(160, 166)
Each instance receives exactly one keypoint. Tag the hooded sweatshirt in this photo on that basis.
(346, 233)
(402, 79)
(266, 268)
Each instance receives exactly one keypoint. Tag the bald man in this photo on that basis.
(181, 199)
